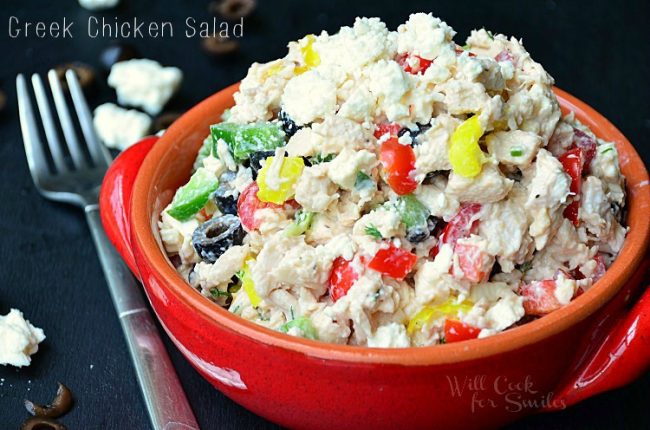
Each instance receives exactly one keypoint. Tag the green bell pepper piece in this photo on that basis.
(301, 223)
(244, 140)
(411, 211)
(304, 324)
(191, 197)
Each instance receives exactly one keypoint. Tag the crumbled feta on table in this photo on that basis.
(120, 128)
(98, 4)
(144, 83)
(19, 339)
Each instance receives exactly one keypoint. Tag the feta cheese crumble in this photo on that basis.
(98, 4)
(120, 128)
(19, 339)
(144, 83)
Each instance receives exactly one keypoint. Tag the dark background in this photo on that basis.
(596, 50)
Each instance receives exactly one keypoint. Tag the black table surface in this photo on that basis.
(596, 50)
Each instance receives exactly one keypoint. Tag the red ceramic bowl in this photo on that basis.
(591, 345)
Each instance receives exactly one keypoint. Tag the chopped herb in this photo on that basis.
(215, 293)
(319, 158)
(293, 316)
(490, 34)
(443, 340)
(466, 47)
(372, 230)
(240, 274)
(516, 151)
(526, 266)
(363, 181)
(606, 150)
(304, 324)
(235, 309)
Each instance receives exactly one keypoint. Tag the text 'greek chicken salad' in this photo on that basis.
(392, 189)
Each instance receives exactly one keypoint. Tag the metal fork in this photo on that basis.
(78, 183)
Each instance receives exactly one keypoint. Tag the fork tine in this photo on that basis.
(33, 147)
(98, 152)
(66, 121)
(48, 124)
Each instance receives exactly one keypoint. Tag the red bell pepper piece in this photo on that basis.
(421, 66)
(573, 162)
(571, 212)
(398, 162)
(586, 144)
(458, 227)
(474, 263)
(456, 331)
(598, 272)
(539, 297)
(248, 204)
(341, 278)
(393, 261)
(390, 128)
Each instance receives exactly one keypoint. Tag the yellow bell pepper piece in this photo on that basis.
(282, 186)
(428, 313)
(248, 285)
(274, 69)
(309, 55)
(465, 154)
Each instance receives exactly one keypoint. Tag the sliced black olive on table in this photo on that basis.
(232, 9)
(61, 404)
(219, 46)
(85, 74)
(42, 423)
(115, 53)
(215, 236)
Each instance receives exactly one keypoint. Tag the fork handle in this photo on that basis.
(163, 394)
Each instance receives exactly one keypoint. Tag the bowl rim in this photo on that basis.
(149, 250)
